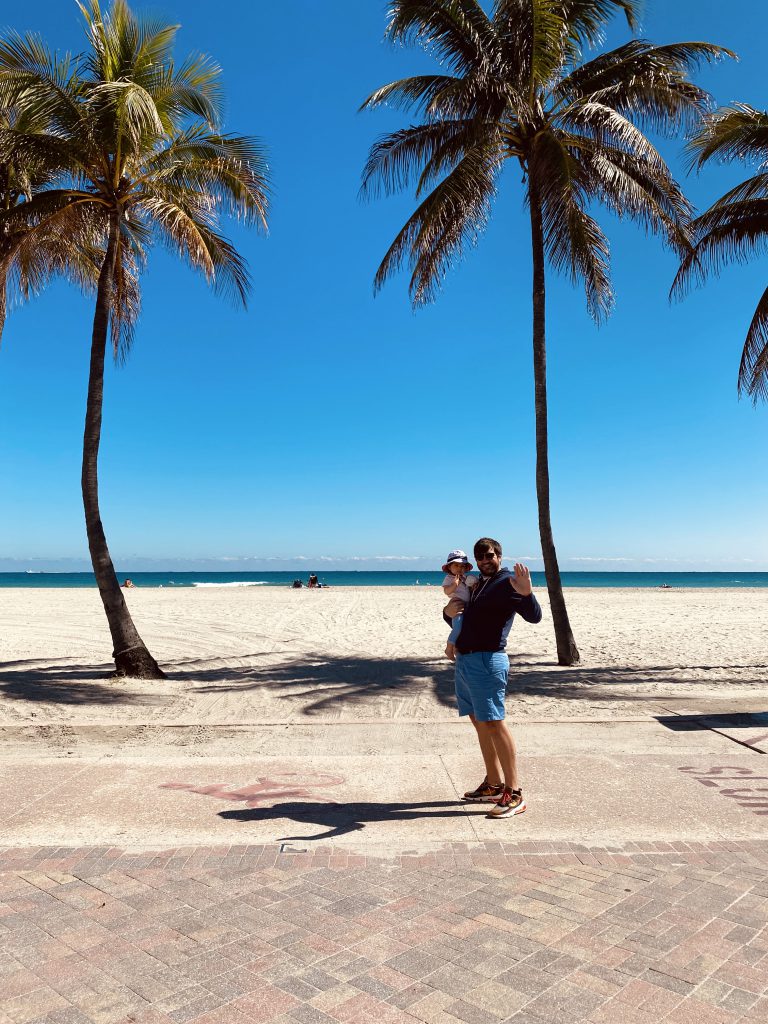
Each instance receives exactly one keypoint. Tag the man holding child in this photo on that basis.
(482, 667)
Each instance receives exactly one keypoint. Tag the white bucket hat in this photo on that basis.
(457, 556)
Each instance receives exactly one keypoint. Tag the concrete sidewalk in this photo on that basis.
(332, 874)
(670, 778)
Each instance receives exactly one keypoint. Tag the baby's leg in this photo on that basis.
(450, 647)
(453, 636)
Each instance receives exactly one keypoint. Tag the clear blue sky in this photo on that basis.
(324, 421)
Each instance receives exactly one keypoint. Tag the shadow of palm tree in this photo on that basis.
(341, 819)
(330, 681)
(65, 683)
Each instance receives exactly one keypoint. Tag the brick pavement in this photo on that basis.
(527, 932)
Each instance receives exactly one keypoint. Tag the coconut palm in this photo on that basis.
(141, 156)
(735, 228)
(514, 86)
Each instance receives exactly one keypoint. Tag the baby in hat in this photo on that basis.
(457, 585)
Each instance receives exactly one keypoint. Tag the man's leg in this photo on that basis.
(494, 771)
(497, 737)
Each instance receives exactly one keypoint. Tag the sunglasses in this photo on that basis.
(487, 556)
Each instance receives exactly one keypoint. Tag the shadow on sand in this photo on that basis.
(326, 684)
(331, 682)
(66, 683)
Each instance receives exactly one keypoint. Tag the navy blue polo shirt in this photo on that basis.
(488, 615)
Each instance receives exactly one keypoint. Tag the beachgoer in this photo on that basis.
(128, 584)
(457, 585)
(297, 585)
(482, 667)
(312, 582)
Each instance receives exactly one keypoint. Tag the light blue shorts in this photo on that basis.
(481, 684)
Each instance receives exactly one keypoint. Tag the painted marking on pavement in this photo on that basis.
(723, 777)
(275, 787)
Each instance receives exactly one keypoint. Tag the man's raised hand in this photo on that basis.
(521, 581)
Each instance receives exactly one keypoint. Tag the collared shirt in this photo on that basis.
(488, 616)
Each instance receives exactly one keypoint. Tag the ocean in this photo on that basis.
(674, 580)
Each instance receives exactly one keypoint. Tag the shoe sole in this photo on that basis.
(520, 809)
(480, 799)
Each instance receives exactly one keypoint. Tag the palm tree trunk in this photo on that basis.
(567, 652)
(131, 656)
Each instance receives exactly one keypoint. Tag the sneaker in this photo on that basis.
(484, 793)
(510, 802)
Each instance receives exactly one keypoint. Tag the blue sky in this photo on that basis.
(324, 421)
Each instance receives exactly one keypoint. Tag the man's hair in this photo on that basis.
(487, 544)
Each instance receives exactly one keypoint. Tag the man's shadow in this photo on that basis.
(340, 819)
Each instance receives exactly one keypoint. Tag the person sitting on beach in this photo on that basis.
(313, 583)
(128, 584)
(457, 585)
(297, 585)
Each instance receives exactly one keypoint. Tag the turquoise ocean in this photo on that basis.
(682, 580)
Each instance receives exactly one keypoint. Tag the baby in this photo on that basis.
(457, 586)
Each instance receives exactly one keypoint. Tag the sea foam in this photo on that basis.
(239, 583)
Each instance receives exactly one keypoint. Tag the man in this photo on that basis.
(482, 667)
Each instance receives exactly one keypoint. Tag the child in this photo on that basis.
(456, 585)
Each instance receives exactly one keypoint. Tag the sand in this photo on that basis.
(263, 655)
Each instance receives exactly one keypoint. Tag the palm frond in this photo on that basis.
(230, 170)
(587, 19)
(451, 217)
(650, 84)
(607, 126)
(193, 89)
(457, 32)
(738, 132)
(188, 228)
(126, 113)
(32, 253)
(125, 300)
(753, 367)
(534, 41)
(47, 83)
(729, 232)
(421, 93)
(630, 187)
(394, 160)
(573, 240)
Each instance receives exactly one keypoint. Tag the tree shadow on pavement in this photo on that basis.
(341, 819)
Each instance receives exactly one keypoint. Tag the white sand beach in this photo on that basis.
(270, 655)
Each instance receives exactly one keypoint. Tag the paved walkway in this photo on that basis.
(354, 887)
(526, 933)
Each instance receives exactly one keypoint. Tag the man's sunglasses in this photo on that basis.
(487, 556)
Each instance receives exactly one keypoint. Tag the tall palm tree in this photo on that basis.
(513, 85)
(735, 228)
(142, 156)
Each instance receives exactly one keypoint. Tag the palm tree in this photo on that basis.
(513, 86)
(141, 155)
(735, 227)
